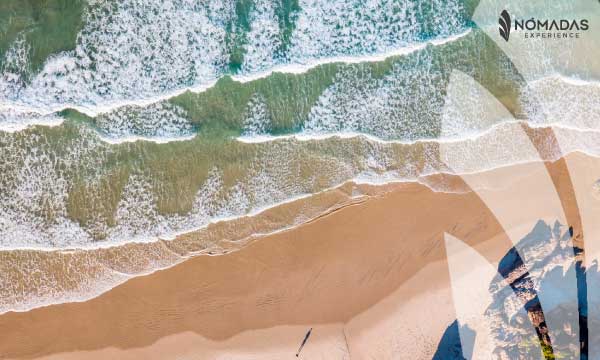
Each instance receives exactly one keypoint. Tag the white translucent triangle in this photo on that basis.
(518, 196)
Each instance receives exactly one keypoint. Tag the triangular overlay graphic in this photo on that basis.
(532, 205)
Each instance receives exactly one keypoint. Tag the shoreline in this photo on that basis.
(217, 238)
(300, 277)
(359, 180)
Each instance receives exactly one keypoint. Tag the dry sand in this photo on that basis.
(370, 279)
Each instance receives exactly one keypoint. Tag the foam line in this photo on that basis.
(298, 68)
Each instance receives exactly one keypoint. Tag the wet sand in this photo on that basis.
(370, 278)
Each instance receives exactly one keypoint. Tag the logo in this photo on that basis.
(542, 28)
(505, 23)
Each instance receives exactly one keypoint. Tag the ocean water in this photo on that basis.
(127, 159)
(128, 122)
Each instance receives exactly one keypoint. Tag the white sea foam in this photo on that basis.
(15, 119)
(154, 122)
(401, 105)
(337, 28)
(348, 111)
(154, 139)
(263, 39)
(257, 119)
(567, 101)
(111, 104)
(134, 49)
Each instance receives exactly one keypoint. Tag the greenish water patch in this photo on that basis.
(76, 116)
(286, 12)
(237, 32)
(48, 27)
(288, 97)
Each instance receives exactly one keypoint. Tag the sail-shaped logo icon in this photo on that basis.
(504, 22)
